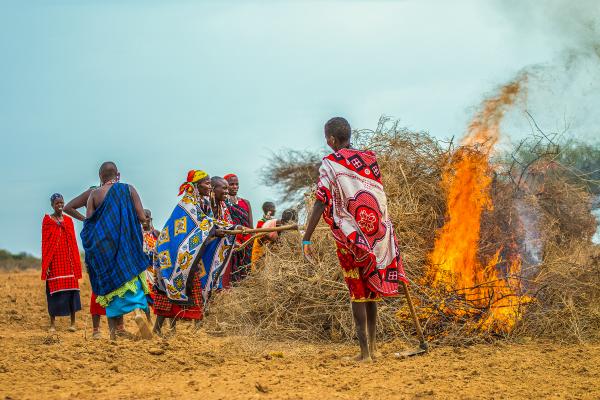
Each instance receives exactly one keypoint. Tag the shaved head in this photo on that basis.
(108, 170)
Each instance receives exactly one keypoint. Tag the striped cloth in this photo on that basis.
(112, 239)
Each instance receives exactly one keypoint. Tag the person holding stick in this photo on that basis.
(351, 199)
(190, 253)
(258, 250)
(268, 208)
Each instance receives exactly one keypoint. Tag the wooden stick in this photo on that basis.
(414, 316)
(251, 240)
(245, 231)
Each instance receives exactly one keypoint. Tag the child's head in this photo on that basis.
(289, 215)
(337, 133)
(268, 208)
(148, 223)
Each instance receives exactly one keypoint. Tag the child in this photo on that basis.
(351, 198)
(150, 238)
(268, 208)
(61, 265)
(258, 250)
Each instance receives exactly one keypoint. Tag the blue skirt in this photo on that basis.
(63, 303)
(130, 301)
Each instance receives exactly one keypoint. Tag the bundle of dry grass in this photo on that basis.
(287, 298)
(567, 293)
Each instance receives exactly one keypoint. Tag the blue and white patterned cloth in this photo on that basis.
(188, 235)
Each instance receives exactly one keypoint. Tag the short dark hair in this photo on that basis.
(104, 174)
(289, 215)
(267, 205)
(106, 164)
(339, 128)
(215, 179)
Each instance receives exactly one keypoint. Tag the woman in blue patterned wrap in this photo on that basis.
(195, 191)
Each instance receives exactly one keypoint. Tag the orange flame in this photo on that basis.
(455, 265)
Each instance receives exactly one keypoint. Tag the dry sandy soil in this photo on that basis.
(35, 364)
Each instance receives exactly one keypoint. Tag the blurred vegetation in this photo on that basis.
(21, 260)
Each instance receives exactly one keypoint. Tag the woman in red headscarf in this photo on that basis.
(241, 214)
(61, 264)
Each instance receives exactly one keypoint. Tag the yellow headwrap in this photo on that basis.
(193, 176)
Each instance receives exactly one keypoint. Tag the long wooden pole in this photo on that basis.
(423, 343)
(257, 230)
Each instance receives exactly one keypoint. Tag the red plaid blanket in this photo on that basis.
(61, 265)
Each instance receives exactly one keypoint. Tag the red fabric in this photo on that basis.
(245, 204)
(363, 163)
(95, 308)
(164, 307)
(226, 177)
(61, 263)
(260, 224)
(355, 251)
(364, 281)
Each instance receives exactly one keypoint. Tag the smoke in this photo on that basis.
(573, 25)
(531, 247)
(563, 93)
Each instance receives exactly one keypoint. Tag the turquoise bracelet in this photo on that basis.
(305, 242)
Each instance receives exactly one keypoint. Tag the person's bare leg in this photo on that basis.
(173, 325)
(112, 327)
(72, 328)
(372, 327)
(52, 324)
(197, 324)
(95, 326)
(120, 323)
(160, 320)
(359, 312)
(148, 315)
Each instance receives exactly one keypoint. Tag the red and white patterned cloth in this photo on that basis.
(61, 265)
(356, 210)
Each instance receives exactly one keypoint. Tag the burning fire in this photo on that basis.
(486, 289)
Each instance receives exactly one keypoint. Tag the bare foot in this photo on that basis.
(197, 326)
(96, 335)
(52, 329)
(72, 328)
(359, 358)
(122, 333)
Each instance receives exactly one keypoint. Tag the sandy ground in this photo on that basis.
(35, 364)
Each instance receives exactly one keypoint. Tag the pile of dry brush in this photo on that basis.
(286, 298)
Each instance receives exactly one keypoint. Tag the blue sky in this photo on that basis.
(163, 87)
